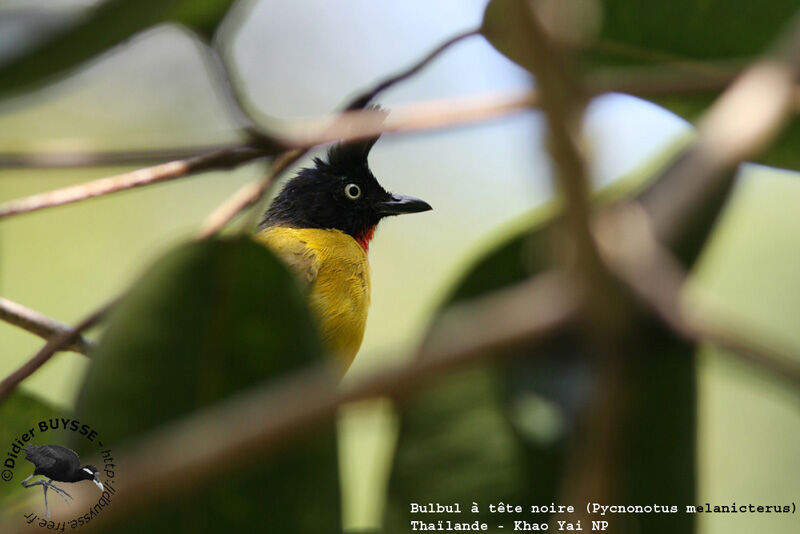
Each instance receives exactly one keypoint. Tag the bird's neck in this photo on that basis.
(364, 237)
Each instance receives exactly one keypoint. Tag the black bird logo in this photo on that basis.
(61, 464)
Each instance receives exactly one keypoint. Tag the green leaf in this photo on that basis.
(648, 31)
(65, 47)
(206, 321)
(456, 446)
(19, 412)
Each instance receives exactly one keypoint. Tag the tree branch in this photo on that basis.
(246, 195)
(366, 97)
(627, 239)
(54, 344)
(41, 325)
(593, 450)
(224, 159)
(110, 158)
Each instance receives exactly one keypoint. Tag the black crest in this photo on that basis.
(343, 157)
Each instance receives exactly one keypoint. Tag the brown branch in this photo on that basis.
(561, 98)
(246, 195)
(269, 141)
(711, 328)
(53, 345)
(110, 158)
(366, 97)
(224, 159)
(251, 425)
(626, 237)
(39, 324)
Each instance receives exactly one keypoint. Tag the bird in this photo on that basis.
(321, 224)
(61, 464)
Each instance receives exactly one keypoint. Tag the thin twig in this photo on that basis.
(110, 158)
(763, 356)
(255, 423)
(53, 345)
(269, 141)
(224, 159)
(366, 97)
(39, 324)
(246, 195)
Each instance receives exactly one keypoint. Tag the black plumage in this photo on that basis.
(340, 193)
(61, 464)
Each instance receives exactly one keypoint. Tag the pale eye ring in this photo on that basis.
(352, 191)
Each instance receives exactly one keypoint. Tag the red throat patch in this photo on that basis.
(365, 237)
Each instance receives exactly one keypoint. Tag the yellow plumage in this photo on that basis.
(337, 271)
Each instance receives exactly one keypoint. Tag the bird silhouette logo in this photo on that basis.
(60, 464)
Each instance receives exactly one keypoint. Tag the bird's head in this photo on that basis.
(90, 472)
(339, 193)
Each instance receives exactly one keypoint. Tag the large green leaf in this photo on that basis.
(60, 48)
(206, 321)
(503, 432)
(660, 31)
(663, 34)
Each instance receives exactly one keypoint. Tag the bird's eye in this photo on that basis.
(352, 191)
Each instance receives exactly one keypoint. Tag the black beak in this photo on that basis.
(398, 204)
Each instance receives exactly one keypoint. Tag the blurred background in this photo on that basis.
(302, 59)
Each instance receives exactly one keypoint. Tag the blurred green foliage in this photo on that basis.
(206, 321)
(59, 49)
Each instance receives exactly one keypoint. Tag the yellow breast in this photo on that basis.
(337, 270)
